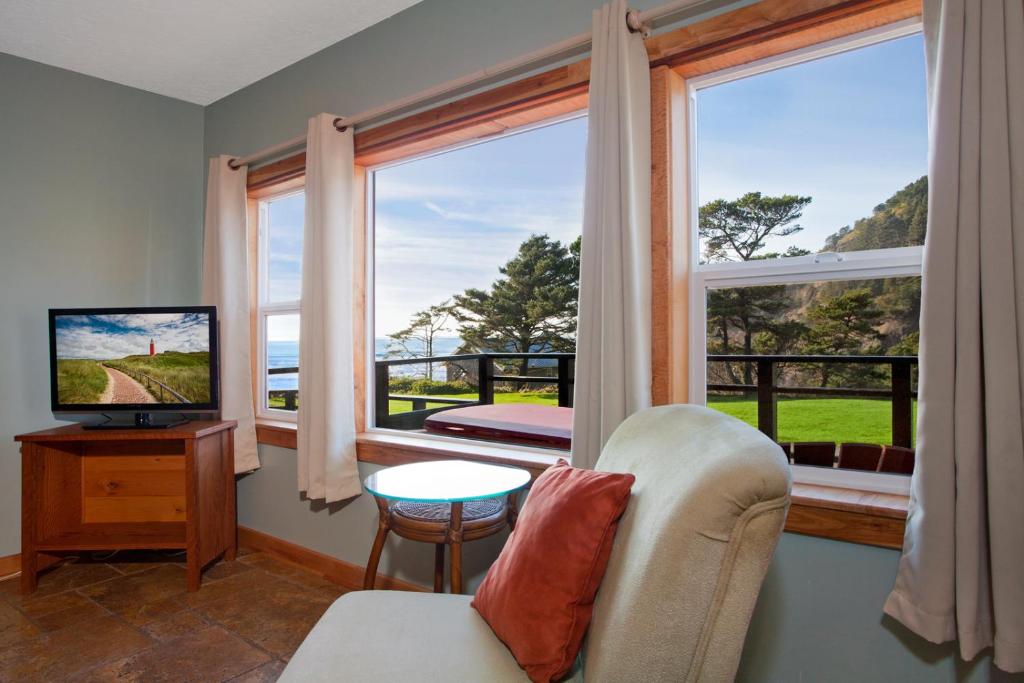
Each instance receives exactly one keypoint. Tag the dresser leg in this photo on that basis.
(193, 572)
(29, 569)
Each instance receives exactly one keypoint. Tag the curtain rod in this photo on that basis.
(637, 22)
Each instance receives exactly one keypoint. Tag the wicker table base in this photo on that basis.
(441, 524)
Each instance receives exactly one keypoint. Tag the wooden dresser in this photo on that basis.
(92, 490)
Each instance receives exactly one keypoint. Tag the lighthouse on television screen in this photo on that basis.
(152, 348)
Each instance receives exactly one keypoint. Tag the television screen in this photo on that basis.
(139, 359)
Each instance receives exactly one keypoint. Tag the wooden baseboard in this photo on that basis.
(10, 566)
(345, 574)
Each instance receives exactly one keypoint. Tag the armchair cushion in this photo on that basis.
(401, 637)
(538, 596)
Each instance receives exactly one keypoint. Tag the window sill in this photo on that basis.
(840, 514)
(396, 449)
(850, 515)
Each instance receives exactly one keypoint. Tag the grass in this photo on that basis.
(396, 407)
(80, 381)
(186, 373)
(846, 420)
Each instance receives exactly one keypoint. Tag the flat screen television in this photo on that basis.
(134, 360)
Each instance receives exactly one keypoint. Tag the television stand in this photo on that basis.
(159, 489)
(142, 421)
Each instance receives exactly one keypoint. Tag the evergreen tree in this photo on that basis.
(530, 308)
(845, 325)
(417, 339)
(739, 230)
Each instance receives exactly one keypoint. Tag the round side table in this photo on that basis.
(444, 502)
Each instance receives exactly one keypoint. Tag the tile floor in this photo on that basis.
(128, 618)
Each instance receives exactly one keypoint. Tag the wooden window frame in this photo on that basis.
(264, 309)
(856, 265)
(741, 36)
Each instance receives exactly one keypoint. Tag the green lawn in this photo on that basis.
(849, 420)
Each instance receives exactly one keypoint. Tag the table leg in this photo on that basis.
(439, 567)
(455, 539)
(383, 525)
(513, 510)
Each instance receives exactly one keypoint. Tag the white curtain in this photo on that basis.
(962, 571)
(226, 286)
(327, 430)
(613, 354)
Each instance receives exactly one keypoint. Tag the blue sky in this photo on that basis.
(847, 131)
(448, 222)
(107, 337)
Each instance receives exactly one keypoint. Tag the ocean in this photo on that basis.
(285, 354)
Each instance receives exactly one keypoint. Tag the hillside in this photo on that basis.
(899, 221)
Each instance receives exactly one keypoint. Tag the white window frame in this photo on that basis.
(265, 308)
(858, 265)
(371, 281)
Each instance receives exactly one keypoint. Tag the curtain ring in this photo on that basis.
(342, 129)
(635, 24)
(233, 164)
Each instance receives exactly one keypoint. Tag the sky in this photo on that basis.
(848, 131)
(108, 337)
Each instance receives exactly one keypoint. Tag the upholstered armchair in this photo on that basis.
(692, 549)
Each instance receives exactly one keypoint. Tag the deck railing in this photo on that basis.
(290, 396)
(488, 373)
(900, 390)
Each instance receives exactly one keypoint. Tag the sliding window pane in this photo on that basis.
(284, 247)
(282, 344)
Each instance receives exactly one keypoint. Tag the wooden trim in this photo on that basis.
(276, 433)
(769, 28)
(534, 98)
(10, 565)
(848, 515)
(278, 176)
(396, 449)
(669, 241)
(340, 572)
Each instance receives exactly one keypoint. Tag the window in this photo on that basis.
(809, 173)
(475, 254)
(279, 286)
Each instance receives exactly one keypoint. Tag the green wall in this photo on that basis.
(100, 205)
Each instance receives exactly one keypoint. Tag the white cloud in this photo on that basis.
(106, 337)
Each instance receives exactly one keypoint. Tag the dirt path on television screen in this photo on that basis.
(123, 389)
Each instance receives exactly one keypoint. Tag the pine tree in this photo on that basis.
(531, 308)
(417, 339)
(739, 230)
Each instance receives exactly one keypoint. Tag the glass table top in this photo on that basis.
(446, 481)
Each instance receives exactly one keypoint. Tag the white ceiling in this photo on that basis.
(194, 50)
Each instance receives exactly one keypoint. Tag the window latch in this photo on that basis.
(828, 257)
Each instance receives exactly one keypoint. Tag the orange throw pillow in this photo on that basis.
(538, 596)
